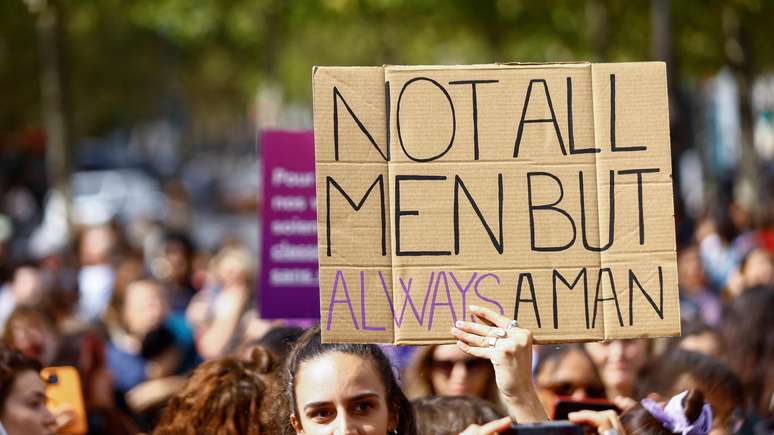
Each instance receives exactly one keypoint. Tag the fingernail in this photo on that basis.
(474, 307)
(459, 323)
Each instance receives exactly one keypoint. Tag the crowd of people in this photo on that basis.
(166, 338)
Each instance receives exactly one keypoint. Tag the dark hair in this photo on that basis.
(12, 364)
(182, 239)
(441, 415)
(749, 334)
(280, 339)
(229, 395)
(310, 346)
(639, 421)
(719, 384)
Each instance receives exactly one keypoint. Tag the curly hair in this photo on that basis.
(228, 396)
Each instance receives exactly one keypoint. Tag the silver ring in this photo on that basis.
(499, 333)
(611, 431)
(514, 324)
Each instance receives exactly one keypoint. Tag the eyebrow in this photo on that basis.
(355, 398)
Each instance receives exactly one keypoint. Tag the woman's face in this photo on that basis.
(25, 411)
(339, 393)
(619, 362)
(572, 375)
(455, 373)
(144, 308)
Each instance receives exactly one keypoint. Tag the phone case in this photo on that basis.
(63, 390)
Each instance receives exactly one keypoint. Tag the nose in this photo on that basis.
(347, 426)
(459, 372)
(579, 394)
(616, 350)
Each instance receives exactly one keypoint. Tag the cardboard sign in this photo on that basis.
(542, 191)
(289, 284)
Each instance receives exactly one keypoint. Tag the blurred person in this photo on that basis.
(686, 413)
(146, 341)
(679, 370)
(750, 342)
(220, 312)
(6, 233)
(344, 388)
(696, 298)
(174, 268)
(279, 340)
(443, 415)
(96, 275)
(697, 336)
(228, 396)
(723, 239)
(34, 335)
(31, 333)
(23, 408)
(620, 363)
(757, 269)
(566, 372)
(27, 289)
(446, 370)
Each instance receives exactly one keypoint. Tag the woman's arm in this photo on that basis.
(509, 348)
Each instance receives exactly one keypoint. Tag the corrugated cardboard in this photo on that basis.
(444, 186)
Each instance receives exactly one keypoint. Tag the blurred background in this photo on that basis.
(129, 149)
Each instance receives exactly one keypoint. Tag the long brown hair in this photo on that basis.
(418, 382)
(227, 396)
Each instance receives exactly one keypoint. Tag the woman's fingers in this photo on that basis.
(496, 426)
(471, 339)
(481, 352)
(590, 418)
(490, 316)
(490, 428)
(602, 420)
(480, 329)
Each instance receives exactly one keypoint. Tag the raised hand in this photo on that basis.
(509, 348)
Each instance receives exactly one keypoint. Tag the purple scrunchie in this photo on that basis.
(672, 416)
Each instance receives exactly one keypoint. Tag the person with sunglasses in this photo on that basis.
(445, 370)
(566, 373)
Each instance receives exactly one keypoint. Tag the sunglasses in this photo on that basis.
(471, 365)
(568, 389)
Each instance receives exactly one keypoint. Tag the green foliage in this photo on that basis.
(130, 60)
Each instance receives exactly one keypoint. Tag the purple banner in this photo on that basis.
(289, 284)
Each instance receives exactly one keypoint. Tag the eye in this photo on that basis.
(321, 415)
(364, 407)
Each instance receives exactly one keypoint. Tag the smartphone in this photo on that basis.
(64, 393)
(566, 406)
(559, 427)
